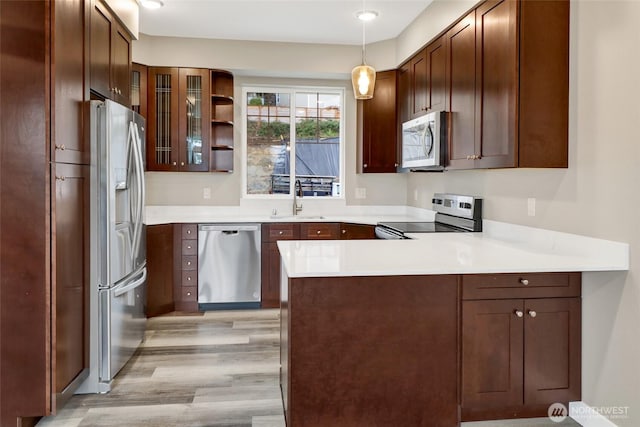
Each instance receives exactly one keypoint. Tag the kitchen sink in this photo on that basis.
(298, 217)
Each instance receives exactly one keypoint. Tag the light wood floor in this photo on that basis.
(220, 368)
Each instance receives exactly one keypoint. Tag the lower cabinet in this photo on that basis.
(185, 250)
(272, 232)
(520, 350)
(160, 269)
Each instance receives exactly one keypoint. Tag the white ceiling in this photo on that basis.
(300, 21)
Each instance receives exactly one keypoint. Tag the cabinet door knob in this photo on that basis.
(181, 163)
(188, 231)
(365, 165)
(119, 92)
(189, 279)
(395, 165)
(318, 232)
(524, 282)
(188, 246)
(281, 233)
(188, 294)
(188, 262)
(532, 313)
(344, 231)
(518, 313)
(174, 163)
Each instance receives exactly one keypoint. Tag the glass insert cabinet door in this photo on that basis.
(178, 119)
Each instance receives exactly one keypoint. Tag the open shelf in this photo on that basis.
(221, 155)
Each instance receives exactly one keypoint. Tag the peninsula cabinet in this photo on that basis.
(178, 119)
(379, 143)
(350, 231)
(521, 339)
(110, 57)
(507, 84)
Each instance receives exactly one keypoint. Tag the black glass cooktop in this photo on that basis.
(419, 227)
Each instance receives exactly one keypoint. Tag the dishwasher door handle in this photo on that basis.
(230, 227)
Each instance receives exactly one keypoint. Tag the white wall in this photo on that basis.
(596, 196)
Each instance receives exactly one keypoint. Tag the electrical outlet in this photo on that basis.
(361, 193)
(531, 206)
(206, 193)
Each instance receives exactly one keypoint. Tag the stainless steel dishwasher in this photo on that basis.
(228, 266)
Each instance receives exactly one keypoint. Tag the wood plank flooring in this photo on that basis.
(216, 369)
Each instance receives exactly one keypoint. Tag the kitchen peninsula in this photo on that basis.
(373, 332)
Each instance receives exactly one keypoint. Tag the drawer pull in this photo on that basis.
(189, 247)
(524, 282)
(281, 233)
(188, 294)
(188, 231)
(188, 262)
(532, 313)
(518, 313)
(344, 231)
(189, 279)
(318, 232)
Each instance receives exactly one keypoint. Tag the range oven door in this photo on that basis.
(388, 234)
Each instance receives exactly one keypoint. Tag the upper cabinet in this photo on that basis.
(507, 85)
(503, 73)
(221, 159)
(110, 59)
(178, 119)
(139, 89)
(379, 141)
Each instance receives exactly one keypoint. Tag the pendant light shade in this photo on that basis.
(363, 78)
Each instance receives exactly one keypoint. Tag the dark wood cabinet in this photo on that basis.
(110, 57)
(419, 79)
(178, 120)
(139, 89)
(71, 274)
(436, 53)
(270, 276)
(350, 231)
(319, 231)
(379, 145)
(519, 355)
(185, 247)
(160, 279)
(460, 90)
(404, 103)
(222, 141)
(507, 85)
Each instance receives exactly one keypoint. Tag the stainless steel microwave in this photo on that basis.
(424, 142)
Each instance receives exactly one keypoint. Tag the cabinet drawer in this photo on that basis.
(189, 293)
(189, 278)
(520, 285)
(189, 247)
(320, 230)
(279, 231)
(189, 231)
(190, 262)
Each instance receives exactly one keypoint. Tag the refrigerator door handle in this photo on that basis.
(123, 290)
(137, 155)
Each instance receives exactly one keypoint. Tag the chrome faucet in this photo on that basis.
(297, 192)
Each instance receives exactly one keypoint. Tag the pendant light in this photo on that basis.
(363, 77)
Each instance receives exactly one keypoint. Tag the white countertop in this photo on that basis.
(234, 214)
(501, 248)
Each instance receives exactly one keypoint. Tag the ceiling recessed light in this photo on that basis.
(152, 4)
(367, 15)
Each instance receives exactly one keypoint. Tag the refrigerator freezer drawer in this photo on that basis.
(123, 323)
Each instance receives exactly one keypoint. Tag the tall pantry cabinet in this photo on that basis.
(44, 204)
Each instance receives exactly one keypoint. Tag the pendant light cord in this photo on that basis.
(363, 35)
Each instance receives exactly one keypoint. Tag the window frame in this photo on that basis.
(292, 91)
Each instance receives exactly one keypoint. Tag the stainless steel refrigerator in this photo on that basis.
(118, 245)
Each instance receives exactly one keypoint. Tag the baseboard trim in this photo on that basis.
(587, 416)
